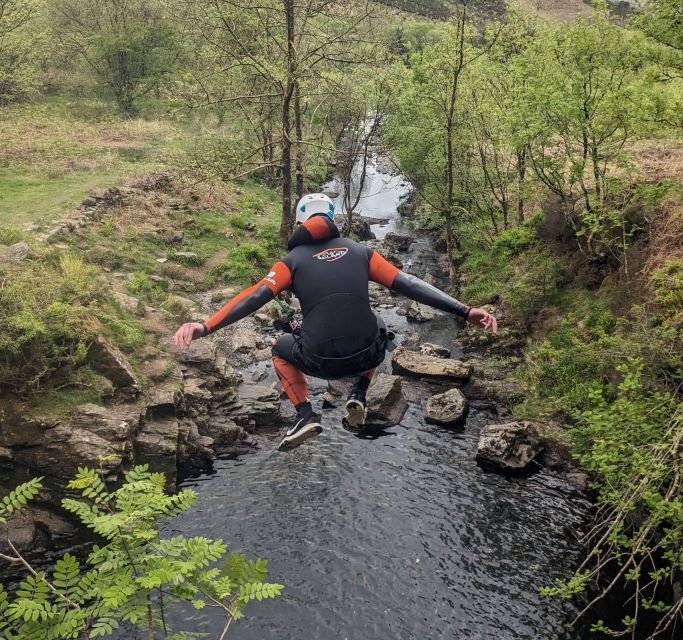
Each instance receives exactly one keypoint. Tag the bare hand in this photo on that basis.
(483, 318)
(187, 333)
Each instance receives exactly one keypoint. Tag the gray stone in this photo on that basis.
(256, 406)
(129, 303)
(420, 312)
(419, 365)
(111, 423)
(223, 431)
(435, 350)
(64, 448)
(397, 242)
(89, 202)
(185, 254)
(112, 364)
(16, 253)
(203, 356)
(385, 401)
(245, 339)
(156, 444)
(511, 446)
(171, 237)
(21, 530)
(447, 409)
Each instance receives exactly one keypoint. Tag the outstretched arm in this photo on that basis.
(243, 304)
(383, 272)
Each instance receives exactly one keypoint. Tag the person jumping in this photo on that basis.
(340, 335)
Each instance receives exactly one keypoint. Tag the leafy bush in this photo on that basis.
(632, 444)
(514, 240)
(142, 285)
(191, 260)
(135, 574)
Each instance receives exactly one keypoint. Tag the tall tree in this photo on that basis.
(20, 33)
(128, 44)
(281, 48)
(430, 128)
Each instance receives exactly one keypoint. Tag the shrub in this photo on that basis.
(10, 235)
(143, 286)
(518, 268)
(123, 579)
(632, 444)
(513, 241)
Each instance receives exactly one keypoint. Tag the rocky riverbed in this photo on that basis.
(221, 394)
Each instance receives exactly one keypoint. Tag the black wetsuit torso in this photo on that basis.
(330, 279)
(329, 275)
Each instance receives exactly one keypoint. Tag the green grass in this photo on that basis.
(56, 150)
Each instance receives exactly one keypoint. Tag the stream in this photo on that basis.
(395, 535)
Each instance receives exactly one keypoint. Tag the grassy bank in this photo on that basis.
(55, 150)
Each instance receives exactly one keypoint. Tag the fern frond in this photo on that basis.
(19, 496)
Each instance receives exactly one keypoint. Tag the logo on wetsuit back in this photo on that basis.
(332, 254)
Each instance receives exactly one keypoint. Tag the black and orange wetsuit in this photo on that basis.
(340, 335)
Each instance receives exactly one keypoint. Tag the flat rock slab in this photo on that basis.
(419, 365)
(385, 401)
(447, 409)
(511, 446)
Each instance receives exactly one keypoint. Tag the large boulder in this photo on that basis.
(419, 312)
(114, 424)
(204, 357)
(156, 444)
(419, 365)
(511, 446)
(385, 401)
(447, 409)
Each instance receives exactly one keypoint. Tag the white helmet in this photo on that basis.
(313, 203)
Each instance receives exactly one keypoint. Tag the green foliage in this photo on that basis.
(667, 282)
(244, 263)
(21, 40)
(135, 574)
(143, 286)
(639, 527)
(10, 235)
(130, 47)
(19, 497)
(51, 308)
(518, 268)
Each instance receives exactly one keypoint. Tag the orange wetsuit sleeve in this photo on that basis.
(381, 270)
(278, 279)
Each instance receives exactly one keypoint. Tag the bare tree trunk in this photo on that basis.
(521, 171)
(288, 218)
(298, 127)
